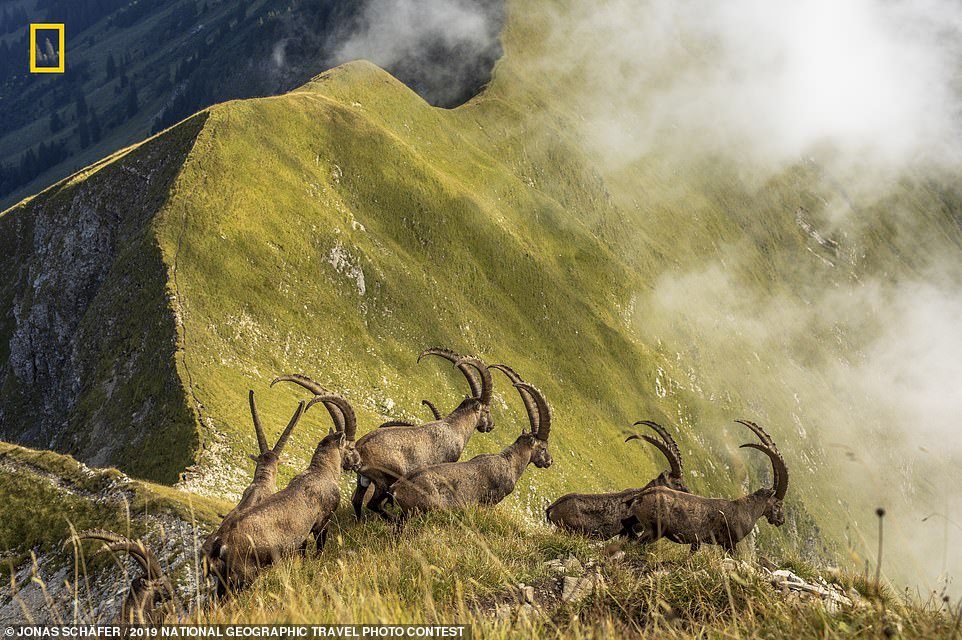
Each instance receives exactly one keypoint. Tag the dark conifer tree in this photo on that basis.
(83, 133)
(95, 131)
(80, 104)
(132, 100)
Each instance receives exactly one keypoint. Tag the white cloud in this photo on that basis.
(763, 80)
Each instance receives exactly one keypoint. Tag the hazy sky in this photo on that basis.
(767, 80)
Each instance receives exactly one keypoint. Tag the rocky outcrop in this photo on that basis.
(88, 330)
(49, 580)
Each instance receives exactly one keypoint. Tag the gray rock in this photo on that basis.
(575, 589)
(527, 593)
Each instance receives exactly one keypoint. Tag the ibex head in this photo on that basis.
(774, 514)
(540, 456)
(540, 420)
(350, 458)
(342, 435)
(480, 389)
(776, 494)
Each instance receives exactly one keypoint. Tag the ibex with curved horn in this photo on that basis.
(151, 596)
(281, 523)
(600, 515)
(388, 454)
(267, 461)
(485, 479)
(691, 519)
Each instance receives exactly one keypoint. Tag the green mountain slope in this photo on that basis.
(339, 229)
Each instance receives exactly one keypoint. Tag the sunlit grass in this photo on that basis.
(459, 567)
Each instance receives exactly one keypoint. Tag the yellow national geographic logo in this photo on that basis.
(45, 55)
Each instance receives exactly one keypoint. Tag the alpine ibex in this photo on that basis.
(264, 483)
(485, 479)
(600, 515)
(388, 454)
(282, 522)
(151, 596)
(686, 518)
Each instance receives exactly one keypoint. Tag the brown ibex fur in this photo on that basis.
(264, 483)
(151, 596)
(691, 519)
(282, 522)
(486, 479)
(388, 454)
(600, 515)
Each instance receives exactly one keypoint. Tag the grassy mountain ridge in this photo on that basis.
(339, 229)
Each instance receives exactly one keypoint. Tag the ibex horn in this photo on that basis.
(778, 468)
(317, 389)
(147, 560)
(434, 410)
(279, 446)
(767, 440)
(341, 403)
(544, 411)
(396, 423)
(529, 404)
(482, 368)
(661, 446)
(258, 429)
(677, 468)
(453, 357)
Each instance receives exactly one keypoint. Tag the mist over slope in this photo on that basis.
(629, 271)
(696, 114)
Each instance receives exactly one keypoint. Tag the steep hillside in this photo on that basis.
(340, 228)
(88, 337)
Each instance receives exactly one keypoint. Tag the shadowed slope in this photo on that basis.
(87, 334)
